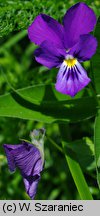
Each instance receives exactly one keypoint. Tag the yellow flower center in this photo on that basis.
(70, 62)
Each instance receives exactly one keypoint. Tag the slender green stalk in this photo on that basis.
(55, 145)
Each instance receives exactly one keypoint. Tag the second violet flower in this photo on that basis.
(29, 159)
(66, 46)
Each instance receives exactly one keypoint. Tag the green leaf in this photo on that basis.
(96, 60)
(97, 146)
(84, 150)
(96, 75)
(43, 103)
(73, 163)
(77, 174)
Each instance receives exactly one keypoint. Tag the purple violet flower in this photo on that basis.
(66, 46)
(29, 158)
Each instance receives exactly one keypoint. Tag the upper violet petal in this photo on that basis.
(79, 19)
(85, 48)
(49, 55)
(45, 28)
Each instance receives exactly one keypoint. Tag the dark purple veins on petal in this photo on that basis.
(28, 159)
(65, 68)
(77, 70)
(56, 42)
(73, 81)
(68, 75)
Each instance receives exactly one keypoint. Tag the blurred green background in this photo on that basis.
(19, 69)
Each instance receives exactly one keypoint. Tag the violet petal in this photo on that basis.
(71, 80)
(45, 28)
(28, 159)
(79, 19)
(31, 185)
(85, 48)
(49, 55)
(10, 156)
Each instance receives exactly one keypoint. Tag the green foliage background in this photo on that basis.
(18, 69)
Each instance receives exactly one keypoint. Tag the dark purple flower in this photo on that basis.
(65, 46)
(29, 159)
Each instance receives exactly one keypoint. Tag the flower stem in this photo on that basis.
(54, 144)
